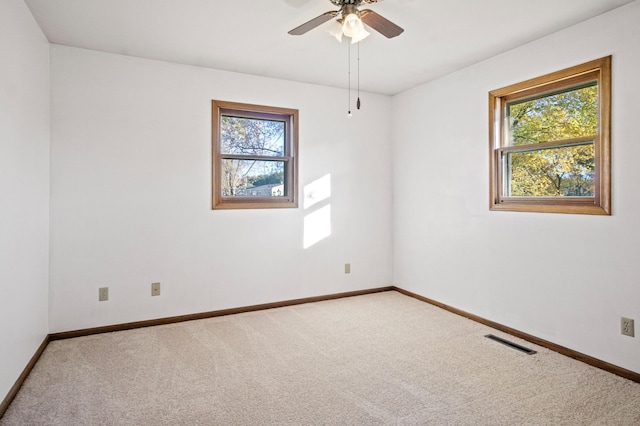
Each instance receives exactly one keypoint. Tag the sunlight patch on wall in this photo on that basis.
(316, 191)
(317, 224)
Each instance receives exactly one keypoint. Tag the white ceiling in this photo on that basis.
(250, 36)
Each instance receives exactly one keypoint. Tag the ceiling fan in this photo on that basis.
(350, 21)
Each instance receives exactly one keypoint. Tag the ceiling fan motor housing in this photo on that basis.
(349, 9)
(355, 3)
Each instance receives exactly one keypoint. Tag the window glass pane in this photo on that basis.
(248, 136)
(554, 117)
(253, 178)
(552, 172)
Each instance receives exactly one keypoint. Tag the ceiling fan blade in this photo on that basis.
(380, 24)
(318, 20)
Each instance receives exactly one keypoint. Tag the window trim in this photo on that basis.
(598, 70)
(290, 158)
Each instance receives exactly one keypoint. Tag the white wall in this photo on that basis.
(24, 189)
(564, 278)
(131, 202)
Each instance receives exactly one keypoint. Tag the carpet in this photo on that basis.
(378, 359)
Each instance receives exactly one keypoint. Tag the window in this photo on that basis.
(254, 156)
(550, 142)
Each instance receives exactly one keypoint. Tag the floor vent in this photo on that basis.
(510, 344)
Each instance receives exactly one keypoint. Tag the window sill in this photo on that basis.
(567, 206)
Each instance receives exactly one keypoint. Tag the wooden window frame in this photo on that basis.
(290, 157)
(598, 70)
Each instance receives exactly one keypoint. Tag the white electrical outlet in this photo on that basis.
(155, 289)
(347, 268)
(103, 294)
(626, 327)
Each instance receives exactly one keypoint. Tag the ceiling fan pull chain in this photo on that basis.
(358, 102)
(349, 75)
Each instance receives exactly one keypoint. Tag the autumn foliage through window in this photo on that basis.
(563, 171)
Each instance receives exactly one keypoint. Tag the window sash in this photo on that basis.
(504, 169)
(260, 116)
(285, 165)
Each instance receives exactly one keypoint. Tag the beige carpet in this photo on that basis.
(380, 359)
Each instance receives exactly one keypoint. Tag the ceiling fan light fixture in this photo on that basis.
(354, 28)
(361, 35)
(336, 31)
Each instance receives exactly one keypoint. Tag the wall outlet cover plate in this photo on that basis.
(103, 294)
(155, 289)
(627, 327)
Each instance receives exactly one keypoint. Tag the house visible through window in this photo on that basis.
(254, 156)
(550, 142)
